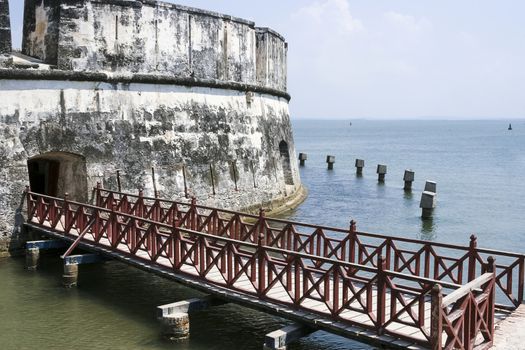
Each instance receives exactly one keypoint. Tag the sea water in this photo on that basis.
(478, 167)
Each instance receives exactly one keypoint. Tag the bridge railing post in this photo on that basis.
(67, 214)
(436, 318)
(491, 309)
(96, 224)
(381, 293)
(112, 225)
(176, 243)
(521, 278)
(352, 241)
(472, 258)
(262, 265)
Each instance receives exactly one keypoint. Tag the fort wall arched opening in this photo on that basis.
(57, 173)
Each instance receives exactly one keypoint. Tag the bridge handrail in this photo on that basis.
(303, 276)
(315, 226)
(426, 260)
(347, 264)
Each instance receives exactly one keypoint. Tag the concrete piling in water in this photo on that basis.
(303, 157)
(71, 263)
(32, 258)
(381, 172)
(176, 327)
(431, 186)
(409, 179)
(175, 319)
(427, 204)
(70, 276)
(34, 248)
(330, 160)
(280, 339)
(359, 165)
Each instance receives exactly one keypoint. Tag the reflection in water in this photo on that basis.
(408, 195)
(427, 232)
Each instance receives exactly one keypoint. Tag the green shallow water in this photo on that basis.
(479, 168)
(114, 308)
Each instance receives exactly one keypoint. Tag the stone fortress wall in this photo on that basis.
(140, 36)
(133, 85)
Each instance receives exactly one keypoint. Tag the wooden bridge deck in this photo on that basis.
(324, 291)
(277, 294)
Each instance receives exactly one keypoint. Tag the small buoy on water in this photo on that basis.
(510, 126)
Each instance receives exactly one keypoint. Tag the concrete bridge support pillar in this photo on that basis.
(280, 339)
(34, 248)
(176, 326)
(70, 276)
(71, 263)
(175, 317)
(32, 258)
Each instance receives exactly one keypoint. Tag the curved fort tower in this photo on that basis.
(131, 85)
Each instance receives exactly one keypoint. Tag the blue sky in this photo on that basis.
(444, 59)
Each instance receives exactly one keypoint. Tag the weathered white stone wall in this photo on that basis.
(153, 37)
(156, 38)
(272, 57)
(134, 127)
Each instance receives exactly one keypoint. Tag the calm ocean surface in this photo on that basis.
(478, 166)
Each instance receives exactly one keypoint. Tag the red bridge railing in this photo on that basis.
(374, 298)
(439, 261)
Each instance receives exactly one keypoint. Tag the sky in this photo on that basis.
(391, 59)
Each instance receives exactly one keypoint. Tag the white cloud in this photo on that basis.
(408, 22)
(330, 11)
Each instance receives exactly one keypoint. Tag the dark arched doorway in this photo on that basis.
(57, 173)
(285, 162)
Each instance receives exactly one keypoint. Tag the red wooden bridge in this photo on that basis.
(378, 289)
